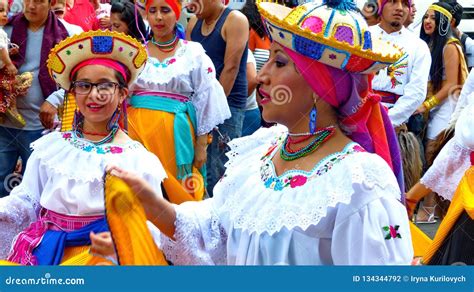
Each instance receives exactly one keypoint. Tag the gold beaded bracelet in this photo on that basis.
(431, 102)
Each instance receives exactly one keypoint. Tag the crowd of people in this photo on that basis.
(281, 134)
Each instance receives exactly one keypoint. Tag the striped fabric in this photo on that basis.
(462, 203)
(261, 57)
(31, 237)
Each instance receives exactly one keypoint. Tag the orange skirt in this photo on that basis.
(154, 129)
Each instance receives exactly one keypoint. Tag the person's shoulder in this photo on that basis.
(368, 168)
(194, 48)
(237, 17)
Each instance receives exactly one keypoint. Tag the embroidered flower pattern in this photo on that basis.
(209, 70)
(297, 178)
(89, 147)
(391, 232)
(396, 70)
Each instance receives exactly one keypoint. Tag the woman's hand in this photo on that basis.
(159, 211)
(200, 155)
(139, 186)
(102, 245)
(420, 110)
(11, 69)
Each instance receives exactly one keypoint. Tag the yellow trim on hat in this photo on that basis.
(441, 10)
(77, 48)
(357, 50)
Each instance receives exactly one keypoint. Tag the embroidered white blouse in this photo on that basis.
(408, 77)
(65, 174)
(346, 211)
(190, 72)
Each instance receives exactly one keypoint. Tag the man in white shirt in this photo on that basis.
(403, 85)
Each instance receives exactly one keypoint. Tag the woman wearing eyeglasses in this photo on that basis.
(175, 102)
(47, 219)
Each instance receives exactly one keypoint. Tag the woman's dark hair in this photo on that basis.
(127, 13)
(255, 20)
(436, 43)
(456, 10)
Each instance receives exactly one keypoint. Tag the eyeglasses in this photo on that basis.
(103, 88)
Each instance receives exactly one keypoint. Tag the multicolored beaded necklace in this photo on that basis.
(112, 127)
(319, 137)
(168, 46)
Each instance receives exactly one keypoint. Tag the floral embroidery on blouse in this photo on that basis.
(297, 178)
(171, 60)
(90, 147)
(391, 232)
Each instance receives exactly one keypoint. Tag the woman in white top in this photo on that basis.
(176, 101)
(307, 193)
(48, 217)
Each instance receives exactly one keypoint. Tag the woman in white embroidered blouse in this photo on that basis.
(47, 218)
(307, 193)
(176, 101)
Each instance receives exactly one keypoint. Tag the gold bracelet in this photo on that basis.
(431, 102)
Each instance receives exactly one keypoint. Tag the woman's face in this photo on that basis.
(117, 24)
(161, 18)
(98, 108)
(429, 22)
(285, 95)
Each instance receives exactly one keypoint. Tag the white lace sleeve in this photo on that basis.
(444, 175)
(209, 97)
(200, 239)
(21, 207)
(377, 233)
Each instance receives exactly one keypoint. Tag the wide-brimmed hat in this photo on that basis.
(332, 33)
(114, 46)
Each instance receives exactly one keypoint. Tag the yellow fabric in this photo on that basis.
(463, 200)
(154, 129)
(80, 256)
(7, 263)
(127, 222)
(67, 113)
(420, 240)
(442, 11)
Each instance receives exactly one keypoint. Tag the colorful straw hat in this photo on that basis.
(95, 45)
(333, 33)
